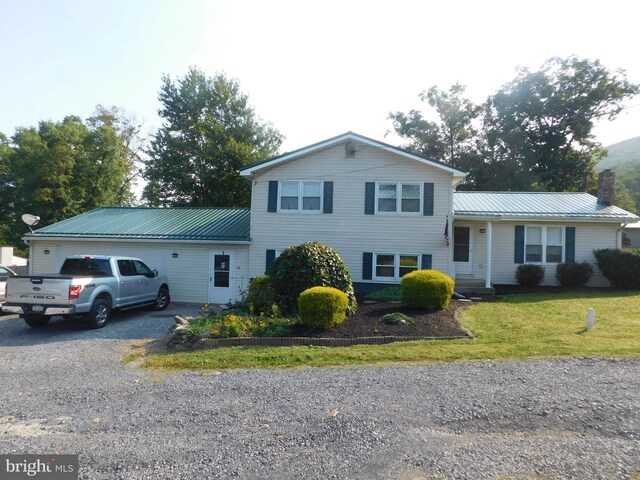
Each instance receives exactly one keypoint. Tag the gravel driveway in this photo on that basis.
(63, 389)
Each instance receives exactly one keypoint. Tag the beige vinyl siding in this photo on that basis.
(348, 229)
(188, 274)
(589, 236)
(39, 261)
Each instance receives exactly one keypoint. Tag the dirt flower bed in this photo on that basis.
(367, 323)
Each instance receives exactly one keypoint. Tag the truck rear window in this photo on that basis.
(87, 267)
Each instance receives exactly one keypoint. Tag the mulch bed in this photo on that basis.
(364, 327)
(367, 322)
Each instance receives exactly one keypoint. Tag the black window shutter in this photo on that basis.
(271, 256)
(367, 266)
(272, 204)
(327, 201)
(427, 207)
(518, 254)
(369, 198)
(570, 244)
(426, 261)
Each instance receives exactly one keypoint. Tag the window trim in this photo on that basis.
(545, 244)
(396, 265)
(399, 198)
(300, 197)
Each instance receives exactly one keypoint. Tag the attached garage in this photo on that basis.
(203, 251)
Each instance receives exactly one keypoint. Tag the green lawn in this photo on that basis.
(520, 326)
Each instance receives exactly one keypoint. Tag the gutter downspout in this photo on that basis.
(619, 235)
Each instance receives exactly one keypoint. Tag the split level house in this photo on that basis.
(385, 210)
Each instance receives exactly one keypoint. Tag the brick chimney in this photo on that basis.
(606, 184)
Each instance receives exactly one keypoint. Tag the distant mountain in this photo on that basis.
(623, 155)
(624, 159)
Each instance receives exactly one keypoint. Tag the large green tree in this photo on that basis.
(451, 138)
(6, 190)
(536, 132)
(209, 132)
(61, 169)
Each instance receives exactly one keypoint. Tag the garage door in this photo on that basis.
(154, 257)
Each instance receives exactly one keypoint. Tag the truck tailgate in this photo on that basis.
(40, 290)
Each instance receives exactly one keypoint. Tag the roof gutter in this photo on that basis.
(136, 240)
(514, 218)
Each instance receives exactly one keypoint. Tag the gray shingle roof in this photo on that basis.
(212, 224)
(536, 205)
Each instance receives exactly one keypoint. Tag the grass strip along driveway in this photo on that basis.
(518, 327)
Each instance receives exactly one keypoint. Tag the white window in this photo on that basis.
(405, 198)
(299, 196)
(393, 266)
(544, 244)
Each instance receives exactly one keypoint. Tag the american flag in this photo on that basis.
(446, 232)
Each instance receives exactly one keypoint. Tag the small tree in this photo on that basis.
(309, 265)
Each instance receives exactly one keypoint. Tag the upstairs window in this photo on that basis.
(543, 244)
(399, 198)
(299, 196)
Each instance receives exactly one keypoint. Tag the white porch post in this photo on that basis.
(487, 280)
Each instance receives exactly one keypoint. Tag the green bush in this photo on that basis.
(573, 274)
(529, 275)
(309, 265)
(322, 307)
(396, 318)
(428, 289)
(261, 296)
(620, 267)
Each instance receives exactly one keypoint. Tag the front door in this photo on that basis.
(221, 278)
(462, 249)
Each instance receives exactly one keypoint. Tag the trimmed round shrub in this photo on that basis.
(309, 265)
(529, 275)
(261, 296)
(322, 307)
(573, 274)
(621, 267)
(428, 289)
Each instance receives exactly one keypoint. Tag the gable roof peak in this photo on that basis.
(330, 142)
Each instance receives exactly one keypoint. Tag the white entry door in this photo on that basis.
(462, 252)
(220, 276)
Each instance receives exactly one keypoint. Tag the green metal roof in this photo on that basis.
(212, 224)
(543, 205)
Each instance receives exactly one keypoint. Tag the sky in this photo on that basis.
(312, 69)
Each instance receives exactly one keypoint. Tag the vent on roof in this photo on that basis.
(350, 149)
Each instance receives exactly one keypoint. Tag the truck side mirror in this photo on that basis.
(155, 272)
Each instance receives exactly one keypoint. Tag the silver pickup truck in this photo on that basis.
(87, 287)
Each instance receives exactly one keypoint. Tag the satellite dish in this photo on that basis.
(30, 220)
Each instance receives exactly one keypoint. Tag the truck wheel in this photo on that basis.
(162, 299)
(99, 314)
(35, 320)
